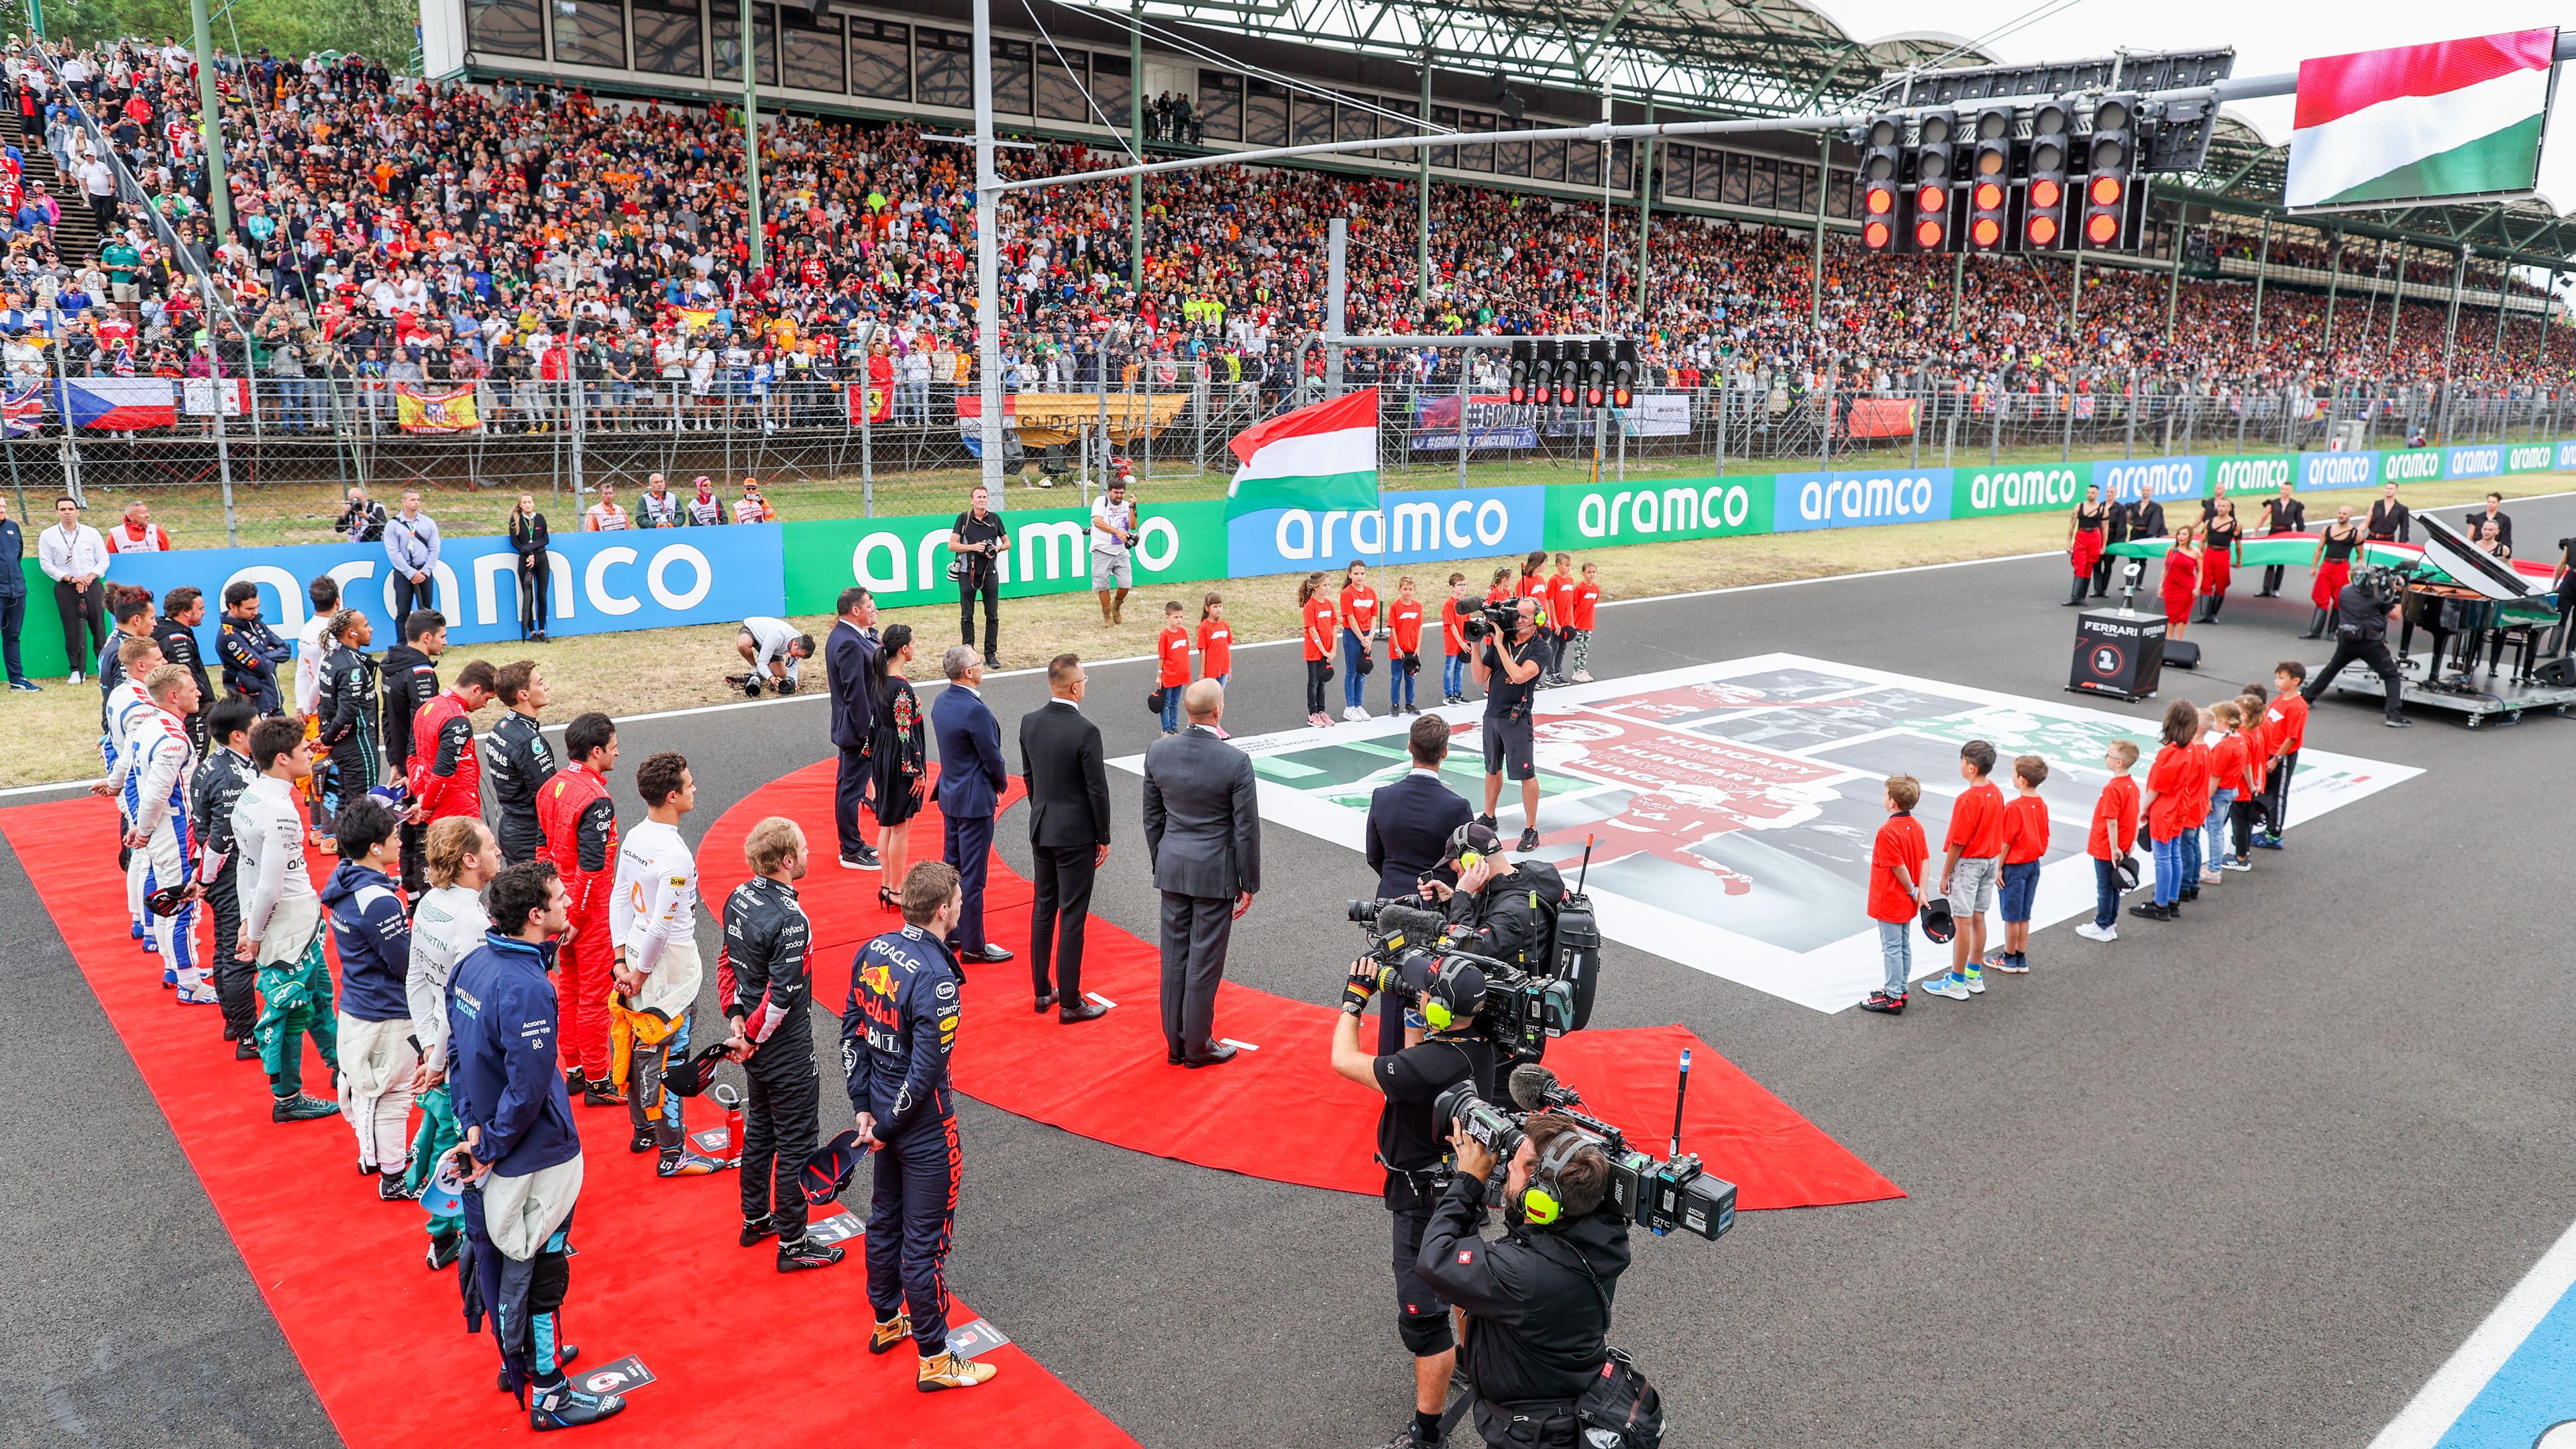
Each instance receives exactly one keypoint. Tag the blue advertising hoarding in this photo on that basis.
(1853, 499)
(2337, 470)
(2162, 479)
(1406, 528)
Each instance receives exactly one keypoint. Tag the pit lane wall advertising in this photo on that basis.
(660, 579)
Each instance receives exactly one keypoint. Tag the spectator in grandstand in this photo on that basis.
(536, 577)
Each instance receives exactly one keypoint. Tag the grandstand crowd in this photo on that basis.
(391, 232)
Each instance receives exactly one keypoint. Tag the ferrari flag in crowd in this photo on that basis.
(2461, 118)
(1319, 457)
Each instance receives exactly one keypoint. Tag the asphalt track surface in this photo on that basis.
(2247, 1179)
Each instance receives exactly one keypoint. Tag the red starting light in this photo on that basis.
(1592, 397)
(1875, 236)
(1990, 197)
(1986, 231)
(1931, 198)
(2046, 192)
(2105, 190)
(2102, 228)
(2043, 230)
(1880, 201)
(1927, 235)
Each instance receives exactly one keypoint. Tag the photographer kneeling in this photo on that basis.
(1537, 1299)
(1410, 1146)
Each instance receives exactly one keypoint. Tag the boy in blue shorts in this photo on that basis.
(2025, 841)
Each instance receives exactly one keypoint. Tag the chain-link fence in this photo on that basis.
(278, 464)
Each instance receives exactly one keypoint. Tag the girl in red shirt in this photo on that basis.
(1216, 641)
(1359, 616)
(1578, 652)
(1501, 588)
(1559, 600)
(1453, 641)
(1316, 615)
(2172, 783)
(1404, 648)
(1172, 653)
(2226, 782)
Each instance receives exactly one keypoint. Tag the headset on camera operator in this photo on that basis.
(1446, 1051)
(1507, 668)
(1538, 1298)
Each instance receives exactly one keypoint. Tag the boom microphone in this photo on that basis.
(1534, 1088)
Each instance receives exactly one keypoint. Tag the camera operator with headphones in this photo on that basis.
(1410, 1148)
(1538, 1298)
(2363, 611)
(1497, 909)
(1508, 670)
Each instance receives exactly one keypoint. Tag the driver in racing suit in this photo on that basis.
(580, 825)
(445, 771)
(516, 756)
(161, 760)
(896, 1034)
(127, 705)
(766, 981)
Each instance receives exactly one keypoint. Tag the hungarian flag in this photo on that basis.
(2461, 118)
(1319, 457)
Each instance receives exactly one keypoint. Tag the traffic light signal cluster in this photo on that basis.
(2059, 175)
(1586, 372)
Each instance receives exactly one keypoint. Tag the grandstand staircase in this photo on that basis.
(76, 238)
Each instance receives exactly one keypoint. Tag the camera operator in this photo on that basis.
(1538, 1298)
(1409, 1147)
(2364, 609)
(1496, 909)
(1508, 670)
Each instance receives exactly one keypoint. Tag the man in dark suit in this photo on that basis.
(1068, 782)
(1203, 834)
(971, 779)
(1409, 825)
(849, 655)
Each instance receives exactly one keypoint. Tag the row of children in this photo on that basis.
(1215, 641)
(2216, 792)
(1565, 603)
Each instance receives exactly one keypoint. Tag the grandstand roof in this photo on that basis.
(1720, 57)
(2244, 172)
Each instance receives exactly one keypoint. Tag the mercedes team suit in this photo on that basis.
(157, 781)
(344, 701)
(652, 920)
(281, 913)
(896, 1034)
(766, 980)
(377, 1057)
(517, 1263)
(517, 758)
(580, 825)
(218, 783)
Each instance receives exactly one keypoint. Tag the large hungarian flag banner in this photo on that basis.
(1319, 457)
(2459, 118)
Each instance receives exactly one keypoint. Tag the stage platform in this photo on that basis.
(2482, 698)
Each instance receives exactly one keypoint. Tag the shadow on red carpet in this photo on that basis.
(1108, 1080)
(742, 1355)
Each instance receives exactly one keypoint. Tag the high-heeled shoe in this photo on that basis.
(888, 899)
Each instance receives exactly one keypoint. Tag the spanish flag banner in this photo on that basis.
(693, 318)
(436, 412)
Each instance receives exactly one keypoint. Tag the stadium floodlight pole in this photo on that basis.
(988, 261)
(1337, 243)
(1645, 203)
(210, 117)
(1136, 138)
(1609, 188)
(1421, 196)
(749, 34)
(1816, 267)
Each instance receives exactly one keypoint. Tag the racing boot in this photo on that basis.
(678, 1162)
(807, 1254)
(759, 1228)
(195, 989)
(564, 1407)
(644, 1141)
(887, 1335)
(301, 1108)
(602, 1094)
(443, 1249)
(952, 1370)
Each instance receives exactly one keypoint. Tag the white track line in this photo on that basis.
(1963, 563)
(2456, 1384)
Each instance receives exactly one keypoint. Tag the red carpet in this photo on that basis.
(1107, 1080)
(381, 1337)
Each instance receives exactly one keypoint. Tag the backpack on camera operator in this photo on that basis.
(1448, 1051)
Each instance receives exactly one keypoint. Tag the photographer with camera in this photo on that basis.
(1538, 1298)
(1447, 1051)
(2363, 609)
(1506, 663)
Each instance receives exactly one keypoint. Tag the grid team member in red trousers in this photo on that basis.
(580, 825)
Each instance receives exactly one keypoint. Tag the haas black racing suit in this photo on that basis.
(766, 980)
(896, 1034)
(517, 759)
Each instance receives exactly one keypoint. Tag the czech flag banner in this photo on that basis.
(120, 404)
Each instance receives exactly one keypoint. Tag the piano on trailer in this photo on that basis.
(2476, 607)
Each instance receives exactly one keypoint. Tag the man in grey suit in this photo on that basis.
(1203, 834)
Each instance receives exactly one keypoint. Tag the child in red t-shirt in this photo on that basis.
(1359, 616)
(1216, 641)
(1172, 653)
(2177, 792)
(2115, 827)
(1560, 615)
(2226, 786)
(1578, 653)
(1896, 891)
(2285, 727)
(1453, 641)
(1501, 588)
(1404, 648)
(1972, 857)
(2025, 841)
(1316, 621)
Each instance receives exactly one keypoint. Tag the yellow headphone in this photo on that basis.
(1542, 1202)
(1439, 1007)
